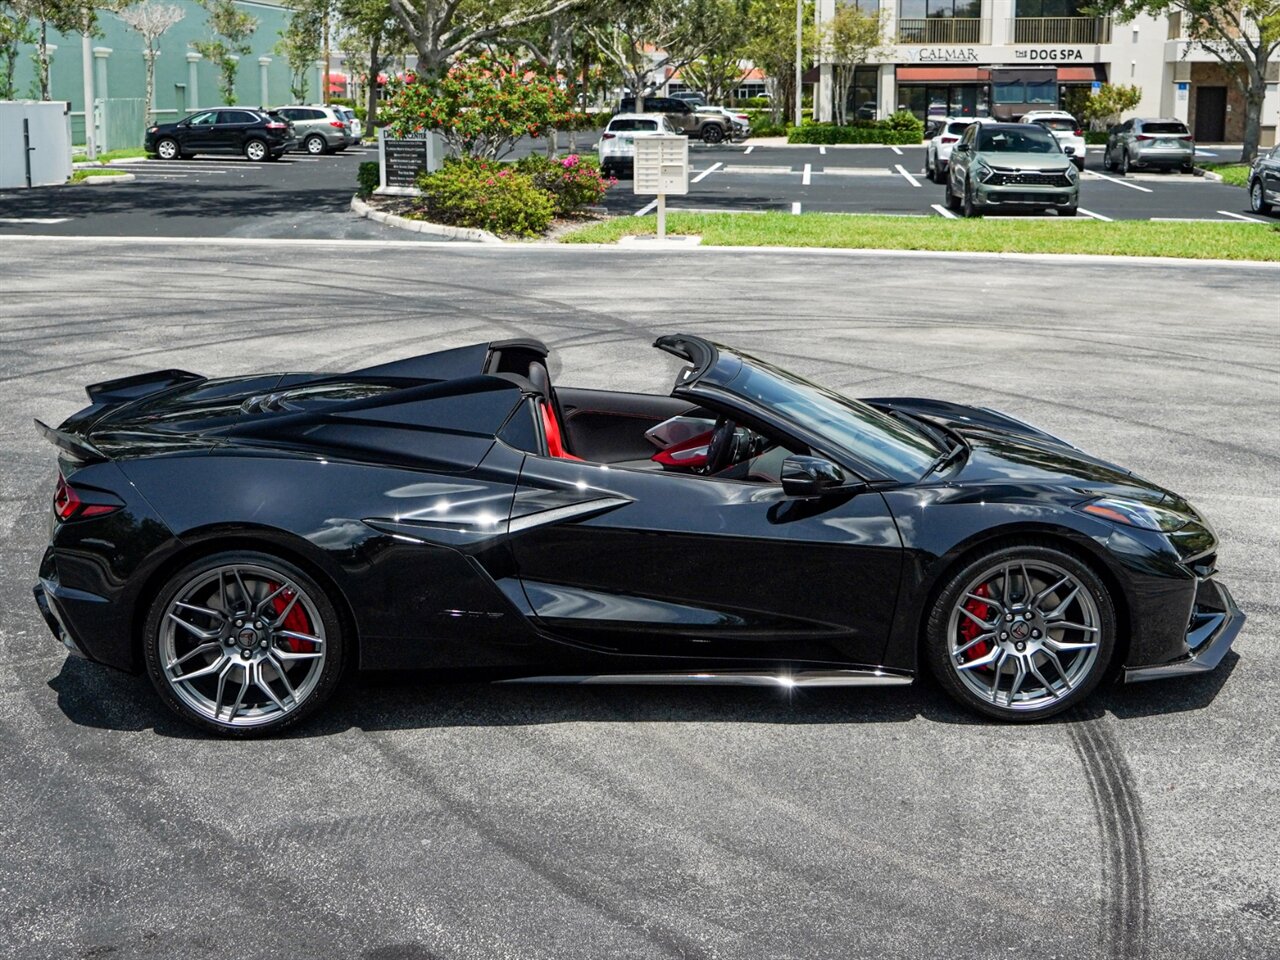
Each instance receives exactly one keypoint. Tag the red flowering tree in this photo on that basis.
(481, 107)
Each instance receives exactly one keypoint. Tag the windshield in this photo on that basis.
(1065, 124)
(1031, 138)
(894, 447)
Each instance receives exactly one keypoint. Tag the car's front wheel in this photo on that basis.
(953, 202)
(971, 206)
(1022, 632)
(713, 134)
(1257, 199)
(243, 643)
(167, 148)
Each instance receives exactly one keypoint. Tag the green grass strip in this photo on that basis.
(1135, 238)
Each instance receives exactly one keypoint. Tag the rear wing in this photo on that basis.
(139, 385)
(78, 447)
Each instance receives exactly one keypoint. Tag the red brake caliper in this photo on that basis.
(297, 620)
(969, 630)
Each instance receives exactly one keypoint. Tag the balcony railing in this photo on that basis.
(941, 30)
(1062, 30)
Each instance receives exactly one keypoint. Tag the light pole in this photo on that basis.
(799, 54)
(90, 136)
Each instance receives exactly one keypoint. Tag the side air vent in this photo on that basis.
(265, 403)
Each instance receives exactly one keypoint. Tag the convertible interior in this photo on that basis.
(638, 431)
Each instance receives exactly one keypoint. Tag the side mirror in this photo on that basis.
(961, 148)
(809, 476)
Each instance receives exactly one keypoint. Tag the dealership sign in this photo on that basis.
(1050, 54)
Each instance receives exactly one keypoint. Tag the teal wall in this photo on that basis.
(126, 68)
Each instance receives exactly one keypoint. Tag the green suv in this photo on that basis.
(1011, 165)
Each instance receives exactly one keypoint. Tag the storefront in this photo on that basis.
(992, 90)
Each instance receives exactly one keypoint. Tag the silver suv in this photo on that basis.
(1164, 144)
(319, 129)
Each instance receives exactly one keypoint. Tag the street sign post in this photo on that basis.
(661, 168)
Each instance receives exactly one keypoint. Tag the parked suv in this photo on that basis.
(941, 137)
(1264, 182)
(258, 134)
(617, 145)
(320, 129)
(683, 118)
(1011, 165)
(1164, 144)
(1065, 129)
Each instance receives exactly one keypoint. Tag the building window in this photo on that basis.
(945, 9)
(1051, 8)
(868, 8)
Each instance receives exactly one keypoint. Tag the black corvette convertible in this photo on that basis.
(244, 540)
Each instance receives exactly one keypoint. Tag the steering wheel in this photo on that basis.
(720, 448)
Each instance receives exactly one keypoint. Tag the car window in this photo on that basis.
(1028, 139)
(958, 127)
(1174, 128)
(620, 126)
(287, 114)
(203, 119)
(1064, 124)
(236, 116)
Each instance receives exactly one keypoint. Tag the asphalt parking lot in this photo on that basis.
(309, 197)
(424, 817)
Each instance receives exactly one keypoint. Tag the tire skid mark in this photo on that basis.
(1126, 908)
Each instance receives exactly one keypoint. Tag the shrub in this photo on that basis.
(368, 178)
(1095, 137)
(902, 127)
(488, 195)
(573, 182)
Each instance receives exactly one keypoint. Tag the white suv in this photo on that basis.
(944, 133)
(1065, 129)
(617, 147)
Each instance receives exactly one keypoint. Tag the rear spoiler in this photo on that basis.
(78, 447)
(139, 385)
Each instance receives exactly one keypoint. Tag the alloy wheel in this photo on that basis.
(166, 149)
(1024, 634)
(1257, 200)
(255, 150)
(242, 645)
(315, 145)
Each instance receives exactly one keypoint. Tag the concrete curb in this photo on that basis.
(1208, 174)
(362, 209)
(115, 178)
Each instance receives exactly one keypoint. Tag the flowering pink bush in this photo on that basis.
(573, 182)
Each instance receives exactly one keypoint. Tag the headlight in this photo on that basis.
(1071, 173)
(983, 170)
(1134, 513)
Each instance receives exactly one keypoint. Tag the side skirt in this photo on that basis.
(743, 678)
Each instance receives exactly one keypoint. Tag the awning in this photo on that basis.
(941, 74)
(1081, 74)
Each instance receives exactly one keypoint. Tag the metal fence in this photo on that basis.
(121, 123)
(941, 30)
(1062, 30)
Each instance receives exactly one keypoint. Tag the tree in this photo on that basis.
(299, 44)
(720, 71)
(647, 41)
(1104, 107)
(440, 30)
(230, 31)
(481, 107)
(1243, 35)
(152, 21)
(371, 31)
(15, 30)
(848, 40)
(65, 16)
(772, 48)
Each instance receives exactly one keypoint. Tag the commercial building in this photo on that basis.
(1003, 57)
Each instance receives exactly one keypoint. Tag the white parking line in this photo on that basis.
(795, 207)
(1123, 183)
(822, 150)
(183, 165)
(1196, 220)
(34, 219)
(944, 211)
(646, 208)
(748, 150)
(805, 177)
(910, 179)
(1095, 216)
(895, 149)
(304, 159)
(1241, 216)
(707, 172)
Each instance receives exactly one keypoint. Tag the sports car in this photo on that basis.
(246, 540)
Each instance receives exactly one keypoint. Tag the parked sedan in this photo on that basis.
(258, 134)
(1264, 182)
(243, 540)
(617, 147)
(319, 129)
(1164, 144)
(1017, 165)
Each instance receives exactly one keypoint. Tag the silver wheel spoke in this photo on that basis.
(283, 615)
(1050, 591)
(989, 601)
(1057, 665)
(1065, 625)
(982, 661)
(207, 611)
(1005, 588)
(288, 655)
(203, 648)
(1062, 646)
(1044, 681)
(284, 676)
(1026, 583)
(264, 685)
(191, 628)
(984, 624)
(974, 642)
(1018, 678)
(244, 687)
(202, 672)
(222, 686)
(1061, 608)
(304, 637)
(996, 674)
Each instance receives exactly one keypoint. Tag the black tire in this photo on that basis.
(168, 148)
(1123, 168)
(257, 150)
(315, 145)
(1079, 162)
(334, 645)
(937, 651)
(931, 169)
(952, 201)
(1106, 159)
(1067, 211)
(712, 133)
(1257, 198)
(971, 206)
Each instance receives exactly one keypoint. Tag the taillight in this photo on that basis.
(277, 126)
(336, 123)
(1078, 132)
(609, 136)
(950, 139)
(1143, 136)
(68, 505)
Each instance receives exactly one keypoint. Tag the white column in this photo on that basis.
(193, 80)
(263, 91)
(888, 90)
(322, 78)
(825, 92)
(100, 55)
(90, 135)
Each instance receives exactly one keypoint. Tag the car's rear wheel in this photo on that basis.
(256, 150)
(1257, 199)
(971, 206)
(1123, 168)
(315, 145)
(953, 202)
(243, 643)
(167, 149)
(1106, 159)
(1021, 633)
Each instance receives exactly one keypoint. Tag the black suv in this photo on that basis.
(258, 134)
(683, 117)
